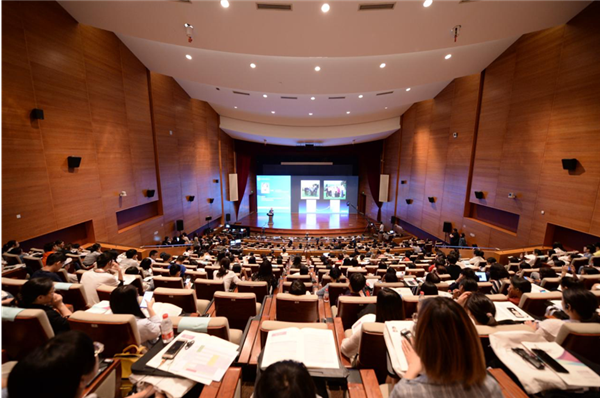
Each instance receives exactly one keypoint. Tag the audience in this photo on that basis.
(225, 274)
(336, 275)
(428, 289)
(92, 256)
(54, 263)
(498, 275)
(265, 273)
(285, 379)
(130, 260)
(298, 288)
(481, 309)
(103, 274)
(358, 282)
(518, 286)
(125, 300)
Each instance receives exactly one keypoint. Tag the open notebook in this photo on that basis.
(313, 347)
(393, 341)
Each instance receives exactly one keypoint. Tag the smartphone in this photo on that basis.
(174, 349)
(188, 280)
(548, 360)
(147, 297)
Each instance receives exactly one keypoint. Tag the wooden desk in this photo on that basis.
(367, 388)
(226, 388)
(114, 367)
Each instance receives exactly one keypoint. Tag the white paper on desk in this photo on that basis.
(102, 307)
(365, 318)
(313, 347)
(128, 279)
(175, 387)
(538, 289)
(166, 308)
(393, 342)
(579, 374)
(402, 291)
(505, 310)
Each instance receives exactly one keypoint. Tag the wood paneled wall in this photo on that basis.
(540, 103)
(97, 101)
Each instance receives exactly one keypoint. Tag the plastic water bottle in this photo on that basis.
(326, 295)
(166, 328)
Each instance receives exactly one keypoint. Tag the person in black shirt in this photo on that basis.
(453, 269)
(54, 263)
(39, 294)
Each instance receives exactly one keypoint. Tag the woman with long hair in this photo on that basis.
(225, 274)
(125, 300)
(265, 273)
(39, 294)
(445, 361)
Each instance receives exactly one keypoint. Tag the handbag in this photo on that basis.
(128, 357)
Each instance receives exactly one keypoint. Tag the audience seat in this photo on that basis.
(589, 280)
(217, 326)
(184, 298)
(12, 259)
(75, 296)
(380, 285)
(349, 308)
(169, 282)
(210, 270)
(336, 290)
(33, 263)
(200, 274)
(485, 287)
(292, 308)
(13, 286)
(236, 307)
(372, 351)
(159, 271)
(29, 330)
(419, 273)
(301, 278)
(327, 279)
(114, 331)
(535, 304)
(581, 338)
(286, 286)
(442, 287)
(206, 288)
(267, 326)
(497, 297)
(444, 277)
(259, 288)
(104, 292)
(580, 262)
(410, 304)
(550, 283)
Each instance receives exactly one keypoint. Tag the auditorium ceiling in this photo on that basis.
(373, 64)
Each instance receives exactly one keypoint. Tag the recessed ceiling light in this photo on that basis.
(188, 56)
(347, 113)
(360, 96)
(253, 66)
(448, 56)
(408, 89)
(235, 107)
(310, 114)
(386, 107)
(312, 98)
(382, 65)
(317, 68)
(325, 7)
(273, 112)
(427, 3)
(224, 3)
(264, 95)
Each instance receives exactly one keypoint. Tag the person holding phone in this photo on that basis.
(125, 300)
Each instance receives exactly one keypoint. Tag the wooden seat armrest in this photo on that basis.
(509, 388)
(116, 367)
(339, 337)
(248, 343)
(226, 388)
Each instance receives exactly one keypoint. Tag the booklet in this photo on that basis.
(505, 310)
(363, 319)
(313, 347)
(393, 341)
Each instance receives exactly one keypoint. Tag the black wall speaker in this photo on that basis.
(447, 227)
(73, 162)
(179, 225)
(37, 114)
(479, 194)
(569, 164)
(208, 218)
(150, 193)
(403, 182)
(210, 200)
(216, 181)
(227, 217)
(431, 199)
(409, 201)
(191, 198)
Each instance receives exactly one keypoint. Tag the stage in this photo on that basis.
(300, 224)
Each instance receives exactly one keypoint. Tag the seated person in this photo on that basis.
(103, 274)
(445, 361)
(265, 273)
(433, 278)
(569, 282)
(298, 288)
(477, 258)
(481, 309)
(388, 308)
(358, 282)
(125, 300)
(179, 261)
(285, 379)
(517, 287)
(175, 272)
(544, 272)
(579, 304)
(336, 275)
(428, 289)
(498, 275)
(225, 274)
(61, 368)
(39, 294)
(453, 269)
(94, 252)
(464, 273)
(390, 276)
(130, 260)
(466, 285)
(54, 263)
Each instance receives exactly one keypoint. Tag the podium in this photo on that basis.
(270, 218)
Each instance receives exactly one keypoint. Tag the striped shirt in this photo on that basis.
(422, 387)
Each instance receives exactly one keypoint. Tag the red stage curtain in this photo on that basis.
(243, 162)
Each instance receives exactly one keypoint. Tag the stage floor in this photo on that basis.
(300, 223)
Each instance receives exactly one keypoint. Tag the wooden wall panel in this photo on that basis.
(391, 156)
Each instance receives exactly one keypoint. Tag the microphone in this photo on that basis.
(347, 203)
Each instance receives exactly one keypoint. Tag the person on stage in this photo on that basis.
(271, 213)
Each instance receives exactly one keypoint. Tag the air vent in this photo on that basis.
(380, 6)
(240, 93)
(337, 97)
(386, 93)
(271, 6)
(289, 98)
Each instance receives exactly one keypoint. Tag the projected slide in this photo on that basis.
(274, 192)
(334, 190)
(309, 189)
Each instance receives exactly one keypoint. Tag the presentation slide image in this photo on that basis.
(335, 190)
(334, 206)
(310, 189)
(311, 206)
(274, 192)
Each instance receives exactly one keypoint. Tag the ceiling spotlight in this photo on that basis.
(325, 7)
(188, 56)
(312, 98)
(408, 89)
(264, 95)
(382, 65)
(253, 66)
(310, 114)
(347, 113)
(235, 107)
(386, 107)
(317, 68)
(224, 3)
(448, 56)
(360, 96)
(273, 112)
(427, 3)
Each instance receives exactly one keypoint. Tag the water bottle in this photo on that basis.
(166, 328)
(326, 295)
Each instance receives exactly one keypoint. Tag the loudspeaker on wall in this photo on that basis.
(179, 225)
(150, 193)
(191, 198)
(431, 199)
(569, 164)
(384, 185)
(37, 114)
(233, 188)
(227, 217)
(409, 201)
(211, 200)
(479, 194)
(73, 162)
(447, 227)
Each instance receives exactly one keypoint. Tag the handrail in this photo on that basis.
(468, 247)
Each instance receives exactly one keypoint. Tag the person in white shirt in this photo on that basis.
(125, 300)
(130, 260)
(388, 308)
(225, 274)
(478, 258)
(531, 259)
(153, 256)
(102, 275)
